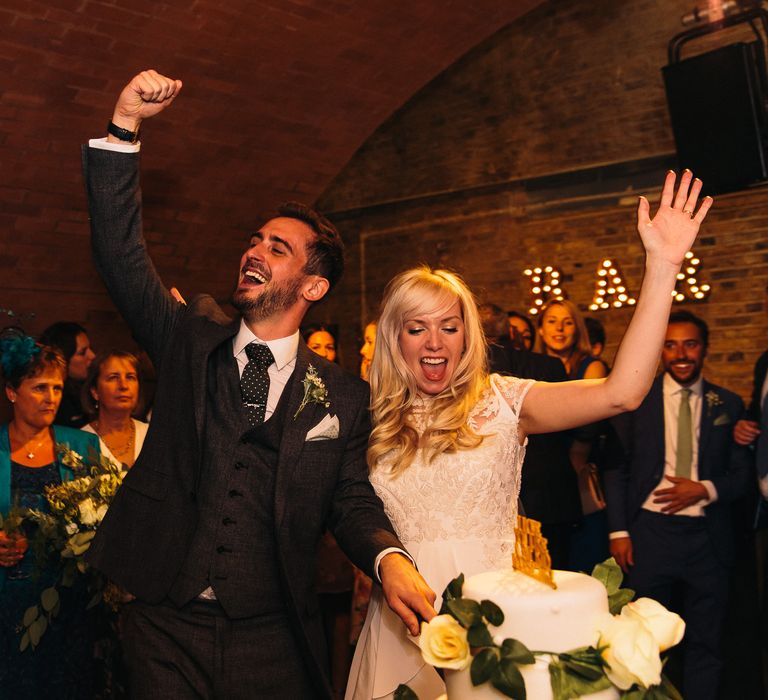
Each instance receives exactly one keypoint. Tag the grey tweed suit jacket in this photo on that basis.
(144, 537)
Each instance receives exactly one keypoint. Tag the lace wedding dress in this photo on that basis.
(454, 515)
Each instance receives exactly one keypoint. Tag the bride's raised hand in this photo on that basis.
(670, 234)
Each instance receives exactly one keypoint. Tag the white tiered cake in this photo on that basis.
(542, 618)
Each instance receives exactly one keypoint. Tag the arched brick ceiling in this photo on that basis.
(278, 96)
(293, 86)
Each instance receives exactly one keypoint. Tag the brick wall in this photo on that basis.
(532, 150)
(278, 95)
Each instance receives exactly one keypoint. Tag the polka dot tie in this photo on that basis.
(254, 384)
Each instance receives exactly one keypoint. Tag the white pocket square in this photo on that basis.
(326, 429)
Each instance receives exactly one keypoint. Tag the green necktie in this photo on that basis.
(684, 457)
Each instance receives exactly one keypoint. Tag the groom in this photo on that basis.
(256, 445)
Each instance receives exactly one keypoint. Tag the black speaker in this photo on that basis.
(717, 108)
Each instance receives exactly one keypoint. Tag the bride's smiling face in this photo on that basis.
(432, 343)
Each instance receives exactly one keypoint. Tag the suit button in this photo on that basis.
(234, 493)
(240, 465)
(229, 521)
(221, 549)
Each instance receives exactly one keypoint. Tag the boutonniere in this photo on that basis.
(713, 399)
(314, 390)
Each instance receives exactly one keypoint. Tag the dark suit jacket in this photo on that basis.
(638, 463)
(142, 542)
(549, 490)
(754, 410)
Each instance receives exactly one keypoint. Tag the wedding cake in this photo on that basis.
(540, 617)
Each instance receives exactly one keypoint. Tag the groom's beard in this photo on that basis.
(273, 301)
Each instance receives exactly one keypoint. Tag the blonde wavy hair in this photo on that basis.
(581, 347)
(423, 290)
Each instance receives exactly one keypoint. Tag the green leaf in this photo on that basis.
(479, 636)
(586, 670)
(452, 592)
(492, 612)
(609, 574)
(566, 684)
(49, 598)
(30, 615)
(403, 692)
(558, 679)
(483, 666)
(672, 692)
(634, 693)
(36, 630)
(507, 679)
(24, 643)
(617, 600)
(585, 662)
(93, 602)
(466, 611)
(42, 623)
(517, 651)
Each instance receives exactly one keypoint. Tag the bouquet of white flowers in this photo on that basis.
(77, 507)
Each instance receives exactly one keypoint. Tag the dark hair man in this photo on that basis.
(669, 491)
(256, 445)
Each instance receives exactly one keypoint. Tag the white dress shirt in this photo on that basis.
(283, 350)
(671, 393)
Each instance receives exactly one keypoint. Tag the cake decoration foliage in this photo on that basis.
(626, 654)
(531, 556)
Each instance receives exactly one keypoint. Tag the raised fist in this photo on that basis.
(147, 94)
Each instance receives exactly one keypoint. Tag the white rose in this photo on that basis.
(443, 643)
(632, 653)
(87, 512)
(667, 627)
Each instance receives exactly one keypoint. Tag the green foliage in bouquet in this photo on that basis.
(77, 507)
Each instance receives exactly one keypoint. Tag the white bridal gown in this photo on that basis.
(454, 515)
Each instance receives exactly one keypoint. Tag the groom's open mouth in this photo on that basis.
(253, 277)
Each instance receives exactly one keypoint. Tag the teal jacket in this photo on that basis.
(77, 440)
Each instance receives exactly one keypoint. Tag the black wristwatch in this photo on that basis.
(122, 134)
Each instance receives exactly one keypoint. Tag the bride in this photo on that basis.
(449, 440)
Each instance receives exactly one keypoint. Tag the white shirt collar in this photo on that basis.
(283, 349)
(672, 387)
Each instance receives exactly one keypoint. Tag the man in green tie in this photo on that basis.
(673, 474)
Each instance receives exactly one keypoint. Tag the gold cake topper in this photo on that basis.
(531, 556)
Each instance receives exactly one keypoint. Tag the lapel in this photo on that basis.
(295, 429)
(214, 336)
(656, 415)
(705, 428)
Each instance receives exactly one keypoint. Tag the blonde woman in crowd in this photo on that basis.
(111, 398)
